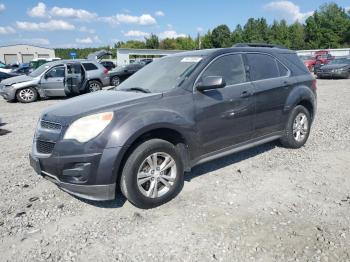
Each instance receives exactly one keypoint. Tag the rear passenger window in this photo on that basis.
(262, 67)
(89, 66)
(230, 67)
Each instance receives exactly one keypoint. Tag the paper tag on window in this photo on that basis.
(191, 59)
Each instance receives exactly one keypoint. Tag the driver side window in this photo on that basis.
(58, 71)
(230, 67)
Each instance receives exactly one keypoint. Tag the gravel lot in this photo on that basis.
(264, 204)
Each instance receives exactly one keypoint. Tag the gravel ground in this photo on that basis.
(263, 204)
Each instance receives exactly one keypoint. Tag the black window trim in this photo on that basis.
(271, 78)
(213, 60)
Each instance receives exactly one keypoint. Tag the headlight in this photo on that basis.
(88, 127)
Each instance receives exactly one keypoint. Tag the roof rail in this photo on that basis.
(259, 45)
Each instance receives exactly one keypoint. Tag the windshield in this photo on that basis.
(162, 75)
(39, 70)
(340, 61)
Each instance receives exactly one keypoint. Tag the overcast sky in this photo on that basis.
(82, 23)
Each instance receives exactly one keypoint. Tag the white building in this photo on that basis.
(333, 52)
(125, 55)
(11, 54)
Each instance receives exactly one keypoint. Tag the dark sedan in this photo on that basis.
(121, 73)
(4, 76)
(337, 68)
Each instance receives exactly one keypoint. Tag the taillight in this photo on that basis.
(105, 71)
(314, 84)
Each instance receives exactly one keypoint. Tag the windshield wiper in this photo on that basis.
(143, 90)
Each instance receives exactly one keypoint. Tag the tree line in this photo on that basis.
(328, 27)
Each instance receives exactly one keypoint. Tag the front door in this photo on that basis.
(224, 116)
(53, 81)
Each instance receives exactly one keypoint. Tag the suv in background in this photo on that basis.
(56, 79)
(177, 112)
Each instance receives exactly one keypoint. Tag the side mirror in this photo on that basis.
(211, 82)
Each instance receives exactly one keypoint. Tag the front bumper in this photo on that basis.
(343, 74)
(7, 92)
(78, 175)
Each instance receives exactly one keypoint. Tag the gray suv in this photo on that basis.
(171, 115)
(56, 79)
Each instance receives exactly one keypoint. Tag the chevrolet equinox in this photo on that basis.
(175, 113)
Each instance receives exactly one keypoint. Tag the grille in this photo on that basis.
(44, 147)
(50, 125)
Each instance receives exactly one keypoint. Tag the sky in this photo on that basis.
(86, 23)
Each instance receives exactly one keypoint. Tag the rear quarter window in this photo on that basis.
(294, 63)
(89, 66)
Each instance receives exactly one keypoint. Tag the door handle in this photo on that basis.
(246, 94)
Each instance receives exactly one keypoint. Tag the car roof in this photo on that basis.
(218, 51)
(59, 62)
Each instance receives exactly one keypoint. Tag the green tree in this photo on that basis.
(185, 43)
(206, 42)
(297, 36)
(168, 43)
(221, 36)
(152, 42)
(279, 33)
(237, 35)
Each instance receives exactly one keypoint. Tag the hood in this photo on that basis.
(334, 66)
(67, 111)
(16, 80)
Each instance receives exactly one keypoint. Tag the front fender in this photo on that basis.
(132, 126)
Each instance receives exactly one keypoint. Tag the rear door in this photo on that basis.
(272, 86)
(53, 81)
(73, 79)
(224, 116)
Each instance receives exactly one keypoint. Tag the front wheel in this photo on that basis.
(153, 174)
(116, 81)
(298, 128)
(27, 95)
(94, 86)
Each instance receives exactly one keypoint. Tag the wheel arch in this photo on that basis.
(301, 95)
(166, 133)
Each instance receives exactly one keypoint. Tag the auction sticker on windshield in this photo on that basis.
(191, 59)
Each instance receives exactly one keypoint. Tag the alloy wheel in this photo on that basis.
(26, 94)
(93, 87)
(300, 127)
(156, 175)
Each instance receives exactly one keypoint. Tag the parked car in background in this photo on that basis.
(4, 76)
(177, 112)
(337, 68)
(2, 65)
(23, 69)
(35, 63)
(322, 60)
(121, 73)
(146, 61)
(59, 78)
(8, 68)
(309, 62)
(109, 65)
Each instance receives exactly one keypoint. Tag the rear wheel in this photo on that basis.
(27, 95)
(298, 128)
(153, 174)
(94, 86)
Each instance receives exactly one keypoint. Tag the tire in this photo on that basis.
(115, 81)
(94, 86)
(142, 158)
(27, 95)
(297, 131)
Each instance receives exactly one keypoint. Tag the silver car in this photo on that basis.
(56, 79)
